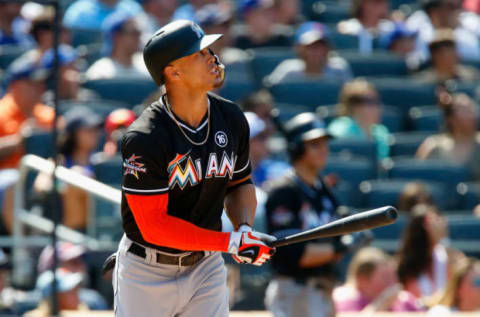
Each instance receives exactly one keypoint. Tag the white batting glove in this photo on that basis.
(250, 247)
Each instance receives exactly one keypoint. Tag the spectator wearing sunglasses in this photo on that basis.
(360, 114)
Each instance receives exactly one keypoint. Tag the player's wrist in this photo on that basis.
(244, 227)
(234, 242)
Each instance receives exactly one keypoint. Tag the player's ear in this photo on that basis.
(171, 73)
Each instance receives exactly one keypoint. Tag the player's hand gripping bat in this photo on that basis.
(362, 221)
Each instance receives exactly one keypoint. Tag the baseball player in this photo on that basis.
(304, 273)
(185, 158)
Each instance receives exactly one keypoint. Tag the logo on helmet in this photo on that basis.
(197, 30)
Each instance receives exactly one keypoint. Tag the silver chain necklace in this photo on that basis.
(169, 110)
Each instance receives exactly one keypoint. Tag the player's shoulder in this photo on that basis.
(225, 106)
(284, 185)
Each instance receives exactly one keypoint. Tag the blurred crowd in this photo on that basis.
(437, 40)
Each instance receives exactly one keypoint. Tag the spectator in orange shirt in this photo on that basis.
(21, 108)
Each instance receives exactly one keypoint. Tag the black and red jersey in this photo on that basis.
(159, 159)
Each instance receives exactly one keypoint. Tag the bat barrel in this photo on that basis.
(358, 222)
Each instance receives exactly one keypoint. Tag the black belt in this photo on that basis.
(188, 259)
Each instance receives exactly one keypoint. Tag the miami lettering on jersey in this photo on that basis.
(182, 170)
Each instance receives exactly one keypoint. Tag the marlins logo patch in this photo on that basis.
(132, 166)
(182, 175)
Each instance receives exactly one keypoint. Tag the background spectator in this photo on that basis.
(360, 113)
(372, 286)
(188, 10)
(115, 125)
(445, 62)
(156, 13)
(13, 28)
(67, 284)
(69, 76)
(260, 29)
(442, 14)
(315, 62)
(462, 293)
(287, 11)
(121, 48)
(413, 194)
(90, 14)
(370, 20)
(77, 143)
(21, 108)
(71, 259)
(460, 143)
(423, 260)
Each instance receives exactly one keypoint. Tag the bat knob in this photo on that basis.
(391, 213)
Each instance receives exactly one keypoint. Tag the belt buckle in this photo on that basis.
(180, 257)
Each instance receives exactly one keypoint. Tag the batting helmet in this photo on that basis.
(301, 128)
(173, 41)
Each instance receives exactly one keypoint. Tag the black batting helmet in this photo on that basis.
(173, 41)
(301, 128)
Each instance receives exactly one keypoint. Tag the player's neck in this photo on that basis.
(305, 173)
(189, 107)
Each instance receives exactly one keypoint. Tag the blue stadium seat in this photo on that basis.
(464, 232)
(306, 92)
(352, 169)
(85, 37)
(404, 93)
(392, 118)
(288, 111)
(109, 171)
(430, 170)
(425, 118)
(355, 147)
(393, 231)
(341, 41)
(8, 53)
(326, 11)
(379, 63)
(129, 91)
(407, 143)
(382, 192)
(264, 60)
(101, 107)
(469, 195)
(237, 88)
(39, 143)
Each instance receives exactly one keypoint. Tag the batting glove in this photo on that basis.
(250, 247)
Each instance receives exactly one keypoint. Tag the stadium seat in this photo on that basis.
(8, 53)
(379, 63)
(341, 41)
(126, 90)
(382, 192)
(407, 143)
(355, 147)
(326, 11)
(85, 36)
(469, 193)
(425, 118)
(264, 60)
(109, 171)
(393, 231)
(101, 107)
(430, 170)
(464, 233)
(306, 92)
(352, 169)
(237, 88)
(39, 143)
(288, 111)
(346, 194)
(392, 118)
(404, 93)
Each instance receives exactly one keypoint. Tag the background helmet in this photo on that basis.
(173, 41)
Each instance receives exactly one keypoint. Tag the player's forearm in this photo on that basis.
(240, 205)
(316, 254)
(9, 144)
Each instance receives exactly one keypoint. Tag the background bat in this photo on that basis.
(362, 221)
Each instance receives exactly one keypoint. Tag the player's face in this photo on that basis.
(198, 71)
(316, 153)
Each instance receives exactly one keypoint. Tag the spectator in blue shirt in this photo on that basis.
(13, 28)
(188, 10)
(90, 14)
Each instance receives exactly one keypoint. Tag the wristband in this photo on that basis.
(244, 227)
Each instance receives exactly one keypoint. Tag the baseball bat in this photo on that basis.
(361, 221)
